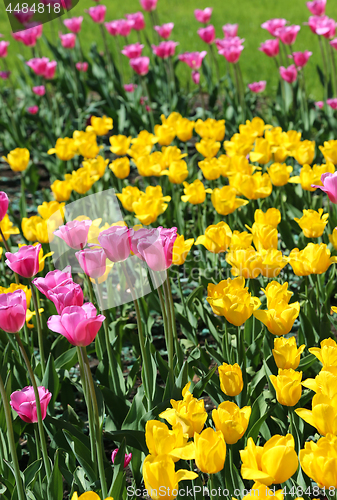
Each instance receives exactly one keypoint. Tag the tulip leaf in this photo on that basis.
(31, 471)
(67, 360)
(133, 438)
(82, 454)
(51, 380)
(55, 483)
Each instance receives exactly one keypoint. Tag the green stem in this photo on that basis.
(17, 280)
(226, 351)
(39, 329)
(38, 451)
(325, 69)
(172, 338)
(202, 101)
(23, 197)
(38, 407)
(11, 440)
(147, 93)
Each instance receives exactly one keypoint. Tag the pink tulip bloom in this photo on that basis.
(97, 13)
(28, 37)
(319, 104)
(154, 246)
(317, 7)
(66, 294)
(301, 58)
(203, 16)
(123, 27)
(25, 261)
(137, 20)
(13, 308)
(74, 24)
(82, 67)
(207, 34)
(273, 25)
(196, 77)
(332, 103)
(39, 90)
(38, 65)
(270, 47)
(3, 48)
(52, 280)
(232, 53)
(140, 65)
(288, 34)
(322, 26)
(225, 43)
(92, 261)
(4, 202)
(193, 59)
(116, 242)
(50, 70)
(148, 5)
(127, 458)
(288, 74)
(329, 187)
(130, 87)
(333, 43)
(133, 50)
(4, 75)
(257, 87)
(165, 49)
(78, 324)
(33, 110)
(74, 233)
(68, 41)
(230, 30)
(24, 403)
(165, 30)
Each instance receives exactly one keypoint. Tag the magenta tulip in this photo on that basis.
(33, 110)
(333, 43)
(257, 87)
(203, 16)
(329, 187)
(288, 74)
(39, 90)
(230, 30)
(74, 24)
(3, 48)
(130, 87)
(317, 7)
(24, 17)
(332, 102)
(207, 34)
(24, 403)
(50, 70)
(288, 34)
(193, 59)
(4, 202)
(127, 458)
(82, 66)
(270, 47)
(232, 53)
(38, 65)
(148, 5)
(319, 104)
(154, 246)
(301, 58)
(74, 233)
(68, 40)
(322, 26)
(92, 261)
(66, 294)
(4, 75)
(165, 49)
(52, 280)
(133, 50)
(25, 261)
(28, 37)
(165, 30)
(225, 43)
(196, 77)
(13, 308)
(273, 25)
(97, 13)
(116, 242)
(79, 325)
(140, 65)
(137, 20)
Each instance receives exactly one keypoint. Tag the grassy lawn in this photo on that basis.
(248, 13)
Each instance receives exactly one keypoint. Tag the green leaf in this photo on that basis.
(51, 380)
(82, 454)
(31, 471)
(55, 483)
(67, 360)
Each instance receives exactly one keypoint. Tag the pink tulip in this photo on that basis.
(193, 59)
(257, 87)
(4, 75)
(74, 24)
(38, 65)
(332, 103)
(140, 65)
(225, 43)
(137, 20)
(28, 37)
(130, 87)
(165, 49)
(301, 58)
(319, 104)
(97, 13)
(82, 66)
(24, 403)
(50, 70)
(322, 26)
(288, 34)
(273, 25)
(127, 458)
(74, 233)
(68, 41)
(165, 30)
(196, 77)
(3, 48)
(317, 7)
(333, 43)
(39, 90)
(232, 53)
(133, 50)
(288, 74)
(116, 242)
(148, 5)
(92, 261)
(25, 261)
(52, 280)
(124, 27)
(66, 294)
(207, 34)
(4, 202)
(270, 47)
(203, 16)
(230, 30)
(154, 246)
(13, 308)
(78, 324)
(24, 17)
(329, 187)
(33, 110)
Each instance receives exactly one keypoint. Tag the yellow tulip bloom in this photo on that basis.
(329, 151)
(224, 200)
(61, 190)
(211, 168)
(231, 381)
(195, 192)
(184, 129)
(319, 461)
(121, 167)
(208, 147)
(312, 223)
(323, 415)
(211, 129)
(246, 262)
(272, 217)
(288, 386)
(119, 144)
(313, 259)
(101, 126)
(210, 451)
(181, 248)
(327, 354)
(177, 172)
(165, 134)
(7, 227)
(261, 153)
(253, 186)
(309, 176)
(65, 149)
(240, 240)
(305, 152)
(96, 166)
(231, 420)
(333, 238)
(286, 353)
(217, 238)
(160, 440)
(279, 173)
(18, 159)
(128, 196)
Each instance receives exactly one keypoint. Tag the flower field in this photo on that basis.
(168, 299)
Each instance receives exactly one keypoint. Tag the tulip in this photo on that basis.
(28, 37)
(211, 129)
(217, 238)
(116, 242)
(323, 383)
(253, 186)
(322, 25)
(231, 382)
(232, 54)
(40, 90)
(148, 5)
(3, 48)
(180, 250)
(279, 173)
(193, 59)
(65, 149)
(127, 458)
(327, 354)
(73, 24)
(154, 246)
(132, 51)
(317, 7)
(165, 30)
(286, 354)
(65, 294)
(333, 43)
(68, 41)
(150, 205)
(4, 75)
(25, 261)
(82, 67)
(33, 110)
(140, 65)
(257, 87)
(230, 30)
(13, 308)
(313, 223)
(196, 77)
(274, 463)
(52, 280)
(50, 70)
(92, 261)
(208, 147)
(129, 195)
(241, 240)
(24, 403)
(319, 461)
(313, 259)
(319, 104)
(97, 13)
(137, 20)
(329, 151)
(301, 58)
(273, 25)
(4, 202)
(224, 200)
(207, 34)
(130, 87)
(79, 324)
(288, 387)
(74, 233)
(231, 421)
(160, 440)
(7, 228)
(332, 103)
(288, 34)
(120, 167)
(18, 159)
(165, 49)
(323, 415)
(288, 74)
(270, 47)
(310, 177)
(203, 16)
(210, 451)
(195, 192)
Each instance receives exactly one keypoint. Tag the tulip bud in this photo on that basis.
(4, 202)
(210, 451)
(231, 420)
(288, 386)
(286, 354)
(24, 403)
(231, 381)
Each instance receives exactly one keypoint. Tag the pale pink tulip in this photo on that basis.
(92, 261)
(74, 233)
(319, 104)
(52, 280)
(116, 242)
(154, 246)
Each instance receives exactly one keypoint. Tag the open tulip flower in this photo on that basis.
(23, 402)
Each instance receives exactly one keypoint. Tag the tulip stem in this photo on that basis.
(99, 436)
(11, 440)
(91, 291)
(173, 336)
(39, 329)
(225, 352)
(38, 451)
(38, 407)
(17, 280)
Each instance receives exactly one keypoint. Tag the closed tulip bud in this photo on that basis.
(313, 259)
(312, 223)
(305, 152)
(323, 415)
(288, 386)
(18, 159)
(279, 173)
(327, 354)
(208, 147)
(13, 308)
(7, 228)
(120, 144)
(127, 457)
(211, 168)
(25, 261)
(4, 202)
(195, 192)
(231, 421)
(121, 167)
(160, 440)
(286, 353)
(224, 200)
(24, 403)
(75, 233)
(181, 248)
(217, 238)
(65, 149)
(273, 463)
(92, 261)
(262, 153)
(210, 451)
(101, 126)
(231, 381)
(319, 461)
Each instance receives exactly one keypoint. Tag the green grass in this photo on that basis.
(248, 13)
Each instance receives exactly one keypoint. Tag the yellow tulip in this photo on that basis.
(305, 152)
(261, 153)
(312, 223)
(264, 236)
(277, 294)
(101, 126)
(286, 354)
(280, 154)
(181, 248)
(333, 238)
(172, 119)
(324, 383)
(96, 166)
(253, 186)
(184, 129)
(288, 386)
(224, 200)
(128, 196)
(61, 190)
(240, 240)
(319, 461)
(230, 166)
(252, 129)
(329, 151)
(18, 159)
(309, 176)
(36, 229)
(149, 165)
(238, 145)
(231, 382)
(195, 192)
(231, 299)
(323, 415)
(217, 238)
(274, 136)
(210, 451)
(290, 140)
(150, 205)
(82, 181)
(327, 354)
(121, 167)
(65, 149)
(169, 155)
(231, 420)
(119, 144)
(273, 463)
(211, 168)
(165, 134)
(88, 149)
(279, 173)
(137, 150)
(246, 262)
(313, 259)
(272, 262)
(89, 495)
(272, 217)
(145, 138)
(7, 227)
(208, 147)
(160, 440)
(177, 172)
(211, 129)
